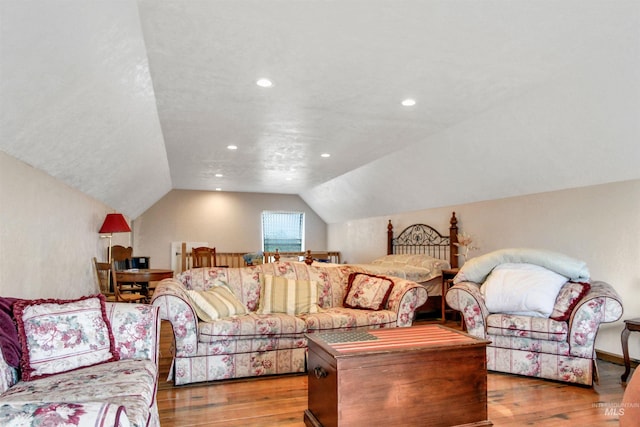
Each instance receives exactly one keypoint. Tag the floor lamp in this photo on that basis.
(113, 223)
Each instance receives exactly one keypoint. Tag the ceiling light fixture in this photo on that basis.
(232, 147)
(264, 82)
(218, 189)
(325, 155)
(409, 102)
(218, 175)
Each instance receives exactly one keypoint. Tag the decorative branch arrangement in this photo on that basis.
(465, 244)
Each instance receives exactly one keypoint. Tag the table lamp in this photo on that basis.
(113, 223)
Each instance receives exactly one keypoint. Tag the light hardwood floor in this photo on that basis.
(281, 401)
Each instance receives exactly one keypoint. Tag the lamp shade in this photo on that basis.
(114, 223)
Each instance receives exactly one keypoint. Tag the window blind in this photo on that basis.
(283, 231)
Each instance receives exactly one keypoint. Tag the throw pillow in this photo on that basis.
(367, 291)
(215, 303)
(63, 335)
(291, 296)
(9, 339)
(569, 295)
(524, 289)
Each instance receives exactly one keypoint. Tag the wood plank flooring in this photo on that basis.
(281, 401)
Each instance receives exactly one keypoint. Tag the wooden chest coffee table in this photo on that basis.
(425, 375)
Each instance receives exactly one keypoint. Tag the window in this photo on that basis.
(283, 231)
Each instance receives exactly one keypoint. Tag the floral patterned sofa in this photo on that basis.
(557, 345)
(86, 362)
(258, 341)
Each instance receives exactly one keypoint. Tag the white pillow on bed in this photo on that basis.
(524, 289)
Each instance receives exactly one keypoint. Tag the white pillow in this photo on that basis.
(524, 289)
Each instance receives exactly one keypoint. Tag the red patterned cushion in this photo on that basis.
(367, 291)
(569, 295)
(63, 335)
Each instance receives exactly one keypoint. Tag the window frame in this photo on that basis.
(302, 222)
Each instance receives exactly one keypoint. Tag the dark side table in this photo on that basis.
(447, 281)
(631, 325)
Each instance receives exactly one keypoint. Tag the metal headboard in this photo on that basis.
(424, 239)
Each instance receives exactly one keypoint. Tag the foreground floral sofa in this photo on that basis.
(88, 363)
(558, 346)
(255, 341)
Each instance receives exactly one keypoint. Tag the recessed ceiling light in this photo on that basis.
(218, 175)
(232, 147)
(409, 102)
(218, 189)
(325, 155)
(264, 82)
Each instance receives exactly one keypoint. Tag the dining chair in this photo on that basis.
(124, 295)
(121, 256)
(103, 273)
(203, 257)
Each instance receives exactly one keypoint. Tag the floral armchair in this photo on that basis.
(560, 346)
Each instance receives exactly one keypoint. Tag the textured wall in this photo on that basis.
(229, 221)
(48, 235)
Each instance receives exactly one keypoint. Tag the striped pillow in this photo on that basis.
(215, 303)
(282, 295)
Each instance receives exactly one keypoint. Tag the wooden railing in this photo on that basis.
(235, 259)
(326, 256)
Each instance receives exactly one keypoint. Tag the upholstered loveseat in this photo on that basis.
(85, 362)
(550, 330)
(263, 337)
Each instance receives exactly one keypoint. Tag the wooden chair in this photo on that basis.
(124, 295)
(203, 257)
(121, 256)
(103, 273)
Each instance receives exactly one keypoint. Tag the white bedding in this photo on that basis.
(415, 267)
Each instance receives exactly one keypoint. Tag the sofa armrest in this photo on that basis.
(50, 413)
(175, 306)
(602, 304)
(468, 300)
(406, 296)
(136, 330)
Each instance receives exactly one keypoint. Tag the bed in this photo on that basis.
(419, 253)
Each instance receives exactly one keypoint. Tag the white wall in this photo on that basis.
(598, 224)
(48, 235)
(229, 221)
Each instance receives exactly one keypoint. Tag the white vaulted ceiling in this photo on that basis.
(126, 100)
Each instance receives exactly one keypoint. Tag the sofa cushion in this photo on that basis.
(527, 326)
(251, 325)
(341, 318)
(525, 289)
(285, 295)
(63, 335)
(62, 414)
(367, 291)
(130, 383)
(570, 294)
(216, 302)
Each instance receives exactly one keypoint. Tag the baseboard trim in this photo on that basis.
(614, 358)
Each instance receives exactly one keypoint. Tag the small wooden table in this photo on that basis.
(631, 325)
(143, 276)
(447, 279)
(426, 375)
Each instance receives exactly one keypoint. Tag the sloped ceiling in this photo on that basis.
(126, 100)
